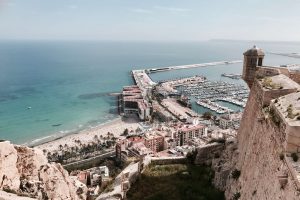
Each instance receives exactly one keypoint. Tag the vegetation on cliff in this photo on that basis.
(176, 182)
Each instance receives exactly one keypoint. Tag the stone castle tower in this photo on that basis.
(252, 58)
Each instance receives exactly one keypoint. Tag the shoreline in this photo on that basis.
(61, 134)
(115, 126)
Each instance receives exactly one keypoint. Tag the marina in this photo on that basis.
(214, 106)
(216, 91)
(203, 92)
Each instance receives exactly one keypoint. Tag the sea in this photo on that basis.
(49, 89)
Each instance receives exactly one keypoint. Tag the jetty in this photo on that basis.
(232, 76)
(214, 106)
(161, 69)
(237, 102)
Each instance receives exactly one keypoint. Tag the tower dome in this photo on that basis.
(255, 51)
(253, 58)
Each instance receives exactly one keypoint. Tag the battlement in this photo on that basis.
(288, 109)
(276, 86)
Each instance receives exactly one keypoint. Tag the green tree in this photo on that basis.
(207, 115)
(125, 132)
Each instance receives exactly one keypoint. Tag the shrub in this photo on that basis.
(274, 117)
(295, 157)
(8, 190)
(191, 156)
(235, 174)
(125, 132)
(267, 82)
(207, 115)
(218, 140)
(290, 112)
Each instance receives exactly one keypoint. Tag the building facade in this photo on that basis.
(188, 132)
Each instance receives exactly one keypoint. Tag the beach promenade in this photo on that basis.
(116, 127)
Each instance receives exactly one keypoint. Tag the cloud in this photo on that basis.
(143, 11)
(157, 9)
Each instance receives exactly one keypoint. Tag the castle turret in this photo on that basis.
(252, 58)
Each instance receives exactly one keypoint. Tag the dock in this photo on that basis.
(161, 69)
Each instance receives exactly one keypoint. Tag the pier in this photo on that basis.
(234, 101)
(232, 76)
(161, 69)
(214, 106)
(145, 83)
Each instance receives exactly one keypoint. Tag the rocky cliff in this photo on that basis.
(254, 167)
(26, 172)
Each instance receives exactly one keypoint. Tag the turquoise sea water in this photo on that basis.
(67, 83)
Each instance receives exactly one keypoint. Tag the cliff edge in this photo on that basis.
(263, 163)
(26, 172)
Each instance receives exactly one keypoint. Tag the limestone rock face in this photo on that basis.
(263, 175)
(26, 171)
(9, 175)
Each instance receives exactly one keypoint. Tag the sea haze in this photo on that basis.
(57, 87)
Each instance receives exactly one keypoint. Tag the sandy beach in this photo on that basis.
(116, 127)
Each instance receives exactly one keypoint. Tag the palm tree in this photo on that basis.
(44, 151)
(96, 137)
(66, 146)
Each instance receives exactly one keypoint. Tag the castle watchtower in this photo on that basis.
(252, 58)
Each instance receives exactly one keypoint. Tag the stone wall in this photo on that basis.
(260, 144)
(266, 71)
(268, 95)
(295, 76)
(206, 153)
(168, 160)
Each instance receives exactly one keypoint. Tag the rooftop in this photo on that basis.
(191, 127)
(255, 51)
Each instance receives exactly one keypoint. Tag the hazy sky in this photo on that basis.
(150, 19)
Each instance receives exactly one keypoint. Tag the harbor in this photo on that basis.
(178, 95)
(208, 94)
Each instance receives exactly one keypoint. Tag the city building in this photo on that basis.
(154, 142)
(132, 147)
(94, 176)
(225, 122)
(132, 102)
(188, 132)
(83, 177)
